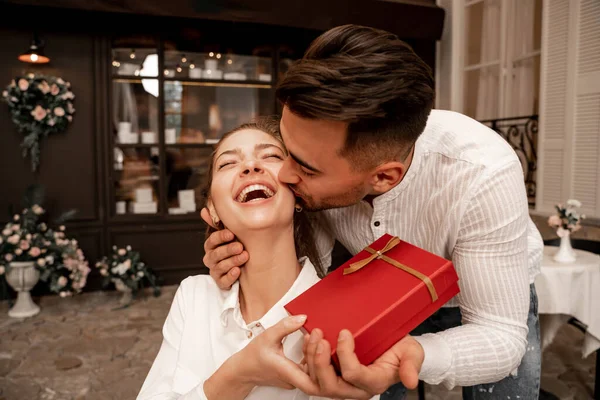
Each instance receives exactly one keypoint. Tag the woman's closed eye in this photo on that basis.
(225, 163)
(273, 156)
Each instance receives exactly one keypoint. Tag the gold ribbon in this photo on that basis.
(379, 255)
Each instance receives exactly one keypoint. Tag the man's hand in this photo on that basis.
(222, 255)
(400, 363)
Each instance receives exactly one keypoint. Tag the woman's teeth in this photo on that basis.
(255, 192)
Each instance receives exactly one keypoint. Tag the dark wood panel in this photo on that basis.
(68, 160)
(171, 251)
(407, 18)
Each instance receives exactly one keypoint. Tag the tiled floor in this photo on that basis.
(83, 348)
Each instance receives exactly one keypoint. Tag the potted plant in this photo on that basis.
(128, 273)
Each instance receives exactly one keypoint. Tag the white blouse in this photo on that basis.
(205, 327)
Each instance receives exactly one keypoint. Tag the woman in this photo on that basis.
(213, 337)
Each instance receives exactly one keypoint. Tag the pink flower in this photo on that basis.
(18, 252)
(38, 113)
(16, 227)
(13, 83)
(41, 262)
(37, 210)
(62, 281)
(14, 239)
(8, 257)
(54, 90)
(60, 81)
(554, 221)
(69, 118)
(2, 269)
(44, 87)
(59, 111)
(70, 108)
(5, 94)
(35, 251)
(122, 252)
(24, 245)
(23, 84)
(6, 231)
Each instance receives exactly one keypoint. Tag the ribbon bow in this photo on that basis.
(379, 255)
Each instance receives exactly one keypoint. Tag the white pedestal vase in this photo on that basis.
(127, 296)
(22, 277)
(565, 253)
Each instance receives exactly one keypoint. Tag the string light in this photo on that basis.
(166, 72)
(218, 55)
(229, 62)
(132, 54)
(211, 54)
(183, 59)
(178, 68)
(116, 64)
(192, 66)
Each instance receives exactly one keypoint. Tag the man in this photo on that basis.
(368, 153)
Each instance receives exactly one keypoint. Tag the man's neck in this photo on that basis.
(270, 272)
(407, 162)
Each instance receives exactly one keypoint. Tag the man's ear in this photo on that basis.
(386, 176)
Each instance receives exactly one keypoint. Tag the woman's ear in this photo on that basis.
(213, 215)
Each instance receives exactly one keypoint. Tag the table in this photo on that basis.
(570, 290)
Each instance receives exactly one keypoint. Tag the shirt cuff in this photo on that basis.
(438, 358)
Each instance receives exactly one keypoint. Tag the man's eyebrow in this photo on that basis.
(302, 163)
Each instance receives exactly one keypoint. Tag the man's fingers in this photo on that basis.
(225, 281)
(216, 239)
(331, 384)
(408, 374)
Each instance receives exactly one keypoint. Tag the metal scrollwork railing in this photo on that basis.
(521, 134)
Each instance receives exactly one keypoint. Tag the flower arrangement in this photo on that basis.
(127, 271)
(61, 262)
(39, 106)
(566, 219)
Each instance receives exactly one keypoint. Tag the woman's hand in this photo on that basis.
(261, 363)
(222, 255)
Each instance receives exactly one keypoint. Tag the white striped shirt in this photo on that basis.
(463, 198)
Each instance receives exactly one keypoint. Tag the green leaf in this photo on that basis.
(34, 194)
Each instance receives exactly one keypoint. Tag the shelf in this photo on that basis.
(221, 83)
(136, 145)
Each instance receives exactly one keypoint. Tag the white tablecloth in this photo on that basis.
(570, 290)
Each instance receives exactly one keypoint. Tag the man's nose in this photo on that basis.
(287, 174)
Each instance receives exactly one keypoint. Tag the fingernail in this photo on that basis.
(299, 319)
(344, 335)
(313, 337)
(319, 348)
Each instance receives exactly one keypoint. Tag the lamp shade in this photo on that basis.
(35, 54)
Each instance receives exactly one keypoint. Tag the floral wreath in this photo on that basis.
(39, 106)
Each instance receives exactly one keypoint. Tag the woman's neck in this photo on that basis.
(270, 272)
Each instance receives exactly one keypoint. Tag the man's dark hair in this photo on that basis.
(369, 79)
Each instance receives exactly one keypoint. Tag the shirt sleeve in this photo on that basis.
(491, 260)
(159, 382)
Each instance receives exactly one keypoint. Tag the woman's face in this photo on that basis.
(245, 193)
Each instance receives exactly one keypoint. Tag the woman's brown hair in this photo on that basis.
(303, 235)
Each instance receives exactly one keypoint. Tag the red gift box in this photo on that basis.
(379, 295)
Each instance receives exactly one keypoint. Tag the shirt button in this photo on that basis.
(249, 335)
(377, 223)
(258, 325)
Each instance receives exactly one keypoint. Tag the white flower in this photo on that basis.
(41, 262)
(5, 93)
(120, 269)
(30, 75)
(14, 239)
(8, 257)
(44, 87)
(23, 84)
(70, 108)
(128, 248)
(60, 81)
(63, 294)
(59, 112)
(103, 272)
(122, 252)
(69, 118)
(16, 217)
(140, 273)
(2, 269)
(37, 210)
(6, 231)
(62, 227)
(18, 252)
(16, 227)
(573, 203)
(62, 281)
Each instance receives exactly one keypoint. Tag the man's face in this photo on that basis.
(319, 176)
